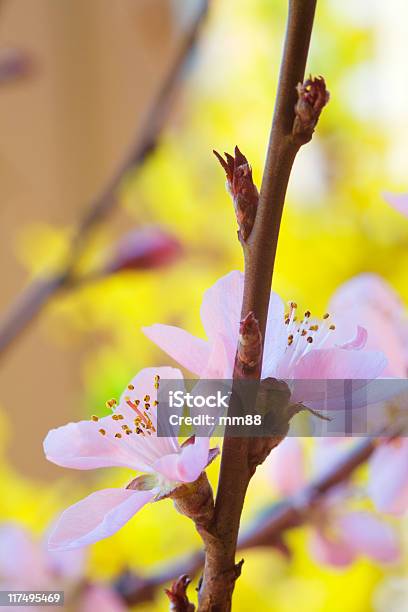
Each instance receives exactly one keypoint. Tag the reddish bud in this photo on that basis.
(178, 595)
(242, 189)
(250, 342)
(144, 249)
(312, 97)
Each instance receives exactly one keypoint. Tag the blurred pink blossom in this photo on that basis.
(399, 201)
(27, 565)
(369, 298)
(388, 476)
(144, 249)
(385, 318)
(126, 438)
(339, 535)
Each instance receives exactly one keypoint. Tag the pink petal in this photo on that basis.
(366, 290)
(81, 446)
(331, 549)
(101, 598)
(337, 363)
(369, 536)
(66, 564)
(187, 465)
(359, 340)
(276, 337)
(96, 517)
(190, 352)
(368, 300)
(388, 477)
(221, 361)
(19, 554)
(286, 466)
(399, 201)
(221, 306)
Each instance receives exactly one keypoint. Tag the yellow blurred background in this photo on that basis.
(66, 126)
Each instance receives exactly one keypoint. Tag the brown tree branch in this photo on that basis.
(267, 530)
(238, 458)
(33, 299)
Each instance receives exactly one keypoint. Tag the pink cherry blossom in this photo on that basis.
(307, 349)
(27, 565)
(339, 535)
(399, 201)
(126, 438)
(388, 476)
(369, 298)
(387, 324)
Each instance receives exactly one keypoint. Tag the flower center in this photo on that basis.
(142, 423)
(306, 334)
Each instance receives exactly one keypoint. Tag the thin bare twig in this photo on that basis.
(33, 299)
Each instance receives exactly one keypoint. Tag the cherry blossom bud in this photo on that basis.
(144, 249)
(243, 191)
(312, 97)
(177, 595)
(250, 343)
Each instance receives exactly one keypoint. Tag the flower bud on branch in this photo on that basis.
(143, 249)
(243, 191)
(249, 343)
(178, 595)
(312, 97)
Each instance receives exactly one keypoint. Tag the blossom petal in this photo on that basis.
(96, 517)
(388, 477)
(332, 550)
(190, 352)
(370, 536)
(368, 300)
(276, 336)
(358, 342)
(101, 598)
(221, 307)
(19, 555)
(399, 201)
(337, 363)
(82, 447)
(286, 466)
(187, 465)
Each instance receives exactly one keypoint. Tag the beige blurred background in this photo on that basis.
(64, 128)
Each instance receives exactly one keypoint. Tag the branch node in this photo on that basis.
(249, 343)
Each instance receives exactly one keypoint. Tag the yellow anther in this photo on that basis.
(102, 432)
(95, 418)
